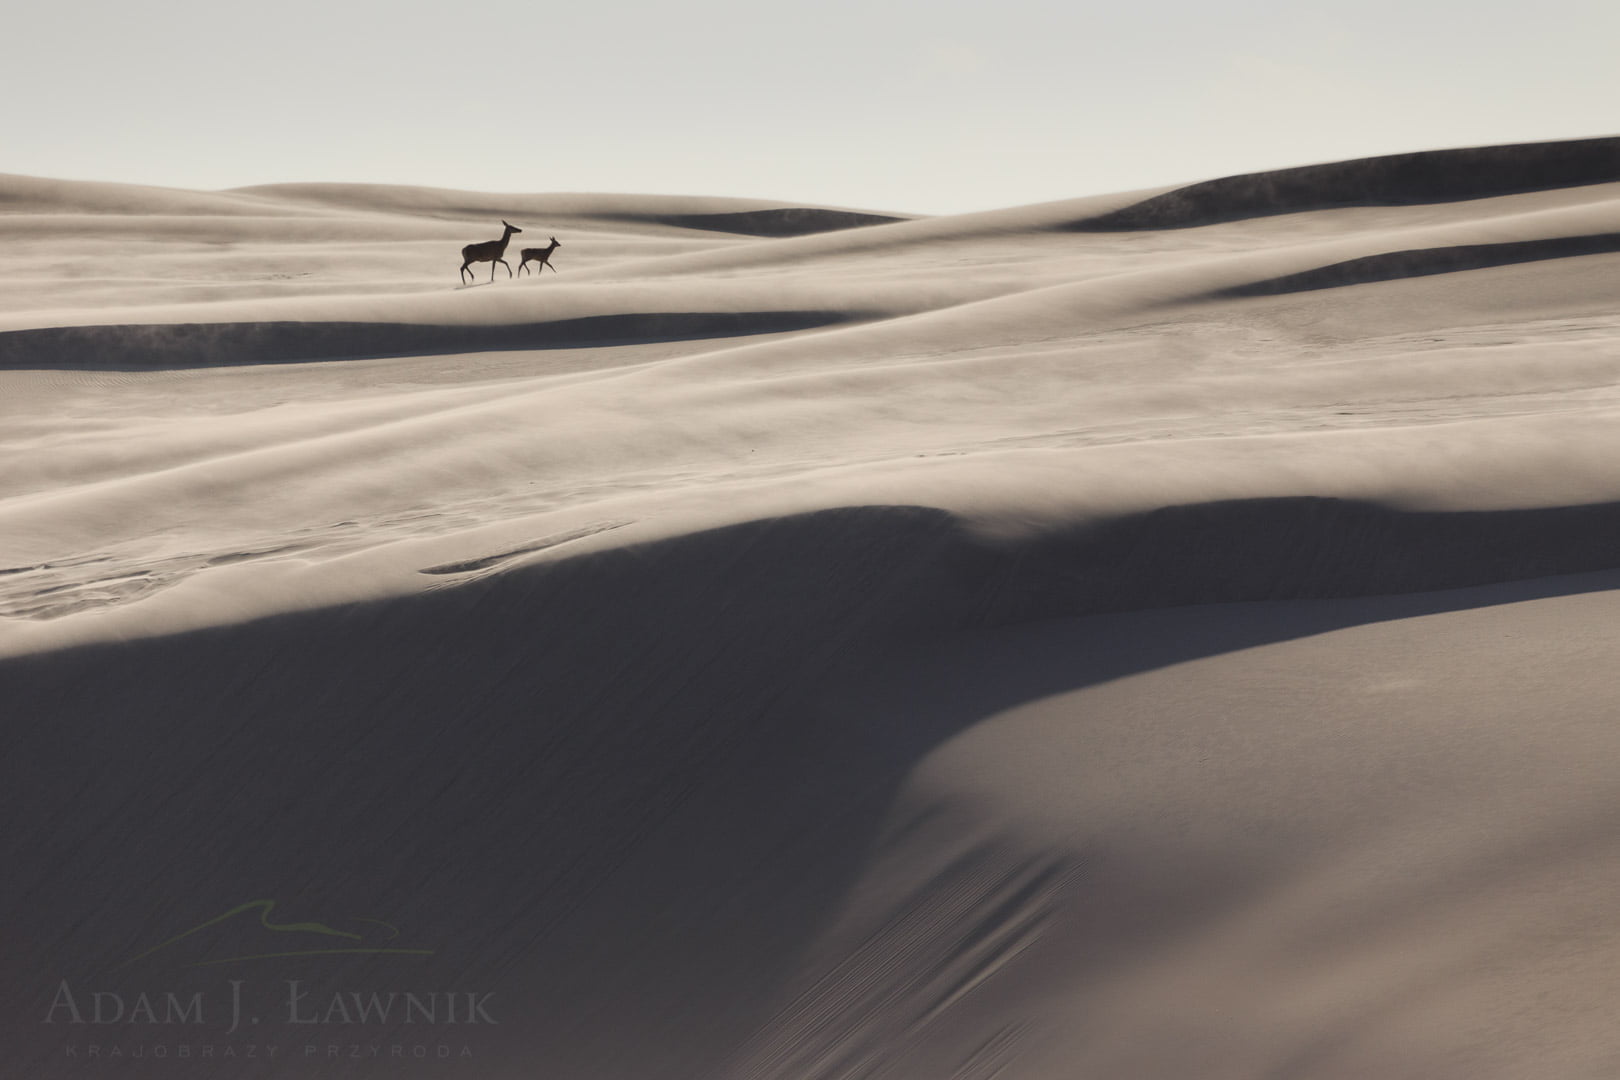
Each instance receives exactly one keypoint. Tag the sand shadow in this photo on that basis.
(1423, 262)
(165, 346)
(607, 788)
(773, 224)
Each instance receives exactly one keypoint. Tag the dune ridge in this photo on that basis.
(756, 217)
(1395, 180)
(792, 221)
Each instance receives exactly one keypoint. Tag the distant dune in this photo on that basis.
(1398, 180)
(792, 221)
(1152, 635)
(748, 217)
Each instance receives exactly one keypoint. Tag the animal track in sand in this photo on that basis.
(65, 597)
(50, 590)
(487, 562)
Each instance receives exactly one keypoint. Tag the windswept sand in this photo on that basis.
(1162, 635)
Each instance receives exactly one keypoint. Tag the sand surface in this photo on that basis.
(1158, 635)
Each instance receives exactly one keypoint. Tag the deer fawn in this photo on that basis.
(489, 251)
(539, 255)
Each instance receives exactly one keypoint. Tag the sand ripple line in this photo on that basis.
(486, 562)
(877, 1003)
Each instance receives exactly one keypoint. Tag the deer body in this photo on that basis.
(539, 255)
(489, 251)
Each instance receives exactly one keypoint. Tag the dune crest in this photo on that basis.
(1396, 180)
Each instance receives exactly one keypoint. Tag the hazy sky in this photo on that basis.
(880, 104)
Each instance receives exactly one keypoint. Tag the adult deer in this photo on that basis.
(539, 255)
(489, 251)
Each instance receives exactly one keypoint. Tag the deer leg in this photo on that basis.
(504, 263)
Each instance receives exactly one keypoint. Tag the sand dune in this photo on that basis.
(1435, 176)
(1152, 635)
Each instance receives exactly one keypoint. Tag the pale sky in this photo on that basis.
(881, 105)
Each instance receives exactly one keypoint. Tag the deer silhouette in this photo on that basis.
(539, 255)
(489, 251)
